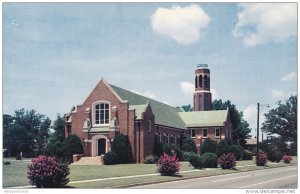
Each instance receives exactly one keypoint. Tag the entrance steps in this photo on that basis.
(88, 161)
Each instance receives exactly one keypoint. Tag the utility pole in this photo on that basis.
(257, 136)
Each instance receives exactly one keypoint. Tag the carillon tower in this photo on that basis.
(202, 95)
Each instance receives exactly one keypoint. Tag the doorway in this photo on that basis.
(101, 146)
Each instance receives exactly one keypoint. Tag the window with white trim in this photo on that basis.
(217, 132)
(204, 133)
(193, 133)
(101, 113)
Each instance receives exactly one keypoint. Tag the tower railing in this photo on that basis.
(202, 66)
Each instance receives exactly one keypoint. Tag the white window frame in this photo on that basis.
(203, 133)
(216, 132)
(94, 113)
(192, 133)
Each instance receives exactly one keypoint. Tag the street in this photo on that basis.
(275, 178)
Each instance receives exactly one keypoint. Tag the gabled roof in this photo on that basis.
(165, 115)
(139, 109)
(204, 118)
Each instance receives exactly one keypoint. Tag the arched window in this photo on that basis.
(205, 81)
(200, 81)
(196, 81)
(101, 113)
(208, 82)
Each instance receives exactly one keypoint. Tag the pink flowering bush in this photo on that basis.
(46, 172)
(168, 165)
(227, 161)
(287, 159)
(261, 159)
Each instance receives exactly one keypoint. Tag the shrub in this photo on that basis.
(222, 148)
(121, 146)
(6, 162)
(150, 159)
(187, 144)
(287, 159)
(196, 161)
(227, 161)
(261, 159)
(172, 150)
(18, 157)
(110, 158)
(186, 156)
(46, 172)
(237, 150)
(274, 155)
(71, 145)
(187, 148)
(158, 149)
(210, 160)
(168, 165)
(209, 146)
(247, 155)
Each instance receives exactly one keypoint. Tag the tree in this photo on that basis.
(282, 121)
(240, 127)
(209, 146)
(56, 139)
(26, 131)
(187, 108)
(121, 146)
(187, 143)
(72, 145)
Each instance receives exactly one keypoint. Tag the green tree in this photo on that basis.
(25, 131)
(209, 146)
(187, 143)
(121, 146)
(187, 108)
(56, 139)
(282, 121)
(72, 145)
(240, 127)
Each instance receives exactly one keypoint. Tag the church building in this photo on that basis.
(110, 110)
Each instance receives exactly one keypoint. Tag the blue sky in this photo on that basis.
(55, 53)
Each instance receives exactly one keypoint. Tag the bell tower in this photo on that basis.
(202, 94)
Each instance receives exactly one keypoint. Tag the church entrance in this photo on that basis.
(101, 146)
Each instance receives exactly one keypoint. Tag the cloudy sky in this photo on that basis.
(55, 53)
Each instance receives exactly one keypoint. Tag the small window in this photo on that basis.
(204, 133)
(193, 133)
(217, 132)
(149, 126)
(165, 138)
(172, 139)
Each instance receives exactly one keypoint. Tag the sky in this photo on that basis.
(55, 53)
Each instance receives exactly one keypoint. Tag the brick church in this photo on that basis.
(110, 110)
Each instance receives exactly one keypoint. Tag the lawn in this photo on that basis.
(15, 173)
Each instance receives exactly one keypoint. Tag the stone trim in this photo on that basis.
(95, 144)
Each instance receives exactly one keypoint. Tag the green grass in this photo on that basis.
(15, 174)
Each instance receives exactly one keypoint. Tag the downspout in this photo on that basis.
(139, 147)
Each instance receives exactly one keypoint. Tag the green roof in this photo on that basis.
(165, 115)
(139, 109)
(204, 118)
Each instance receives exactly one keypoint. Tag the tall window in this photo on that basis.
(193, 133)
(196, 81)
(217, 132)
(204, 133)
(200, 102)
(101, 112)
(205, 81)
(200, 81)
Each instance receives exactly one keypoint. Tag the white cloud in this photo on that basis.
(277, 94)
(214, 94)
(183, 24)
(250, 115)
(260, 23)
(289, 77)
(187, 88)
(146, 93)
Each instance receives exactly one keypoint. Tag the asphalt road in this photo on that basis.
(275, 178)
